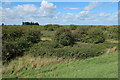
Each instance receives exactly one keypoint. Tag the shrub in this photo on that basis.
(112, 33)
(12, 49)
(50, 28)
(64, 37)
(73, 27)
(89, 35)
(95, 36)
(46, 26)
(80, 33)
(32, 35)
(81, 51)
(44, 48)
(17, 39)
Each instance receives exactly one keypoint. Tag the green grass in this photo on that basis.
(105, 66)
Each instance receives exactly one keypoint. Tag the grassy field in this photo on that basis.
(105, 66)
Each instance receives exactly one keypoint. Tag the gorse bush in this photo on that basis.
(64, 37)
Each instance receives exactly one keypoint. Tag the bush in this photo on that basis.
(16, 40)
(12, 49)
(112, 33)
(89, 35)
(73, 27)
(95, 36)
(64, 37)
(50, 28)
(44, 48)
(81, 51)
(32, 35)
(80, 33)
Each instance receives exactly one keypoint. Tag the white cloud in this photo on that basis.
(47, 14)
(92, 5)
(104, 14)
(48, 9)
(72, 8)
(28, 12)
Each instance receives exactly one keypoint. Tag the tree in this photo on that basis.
(2, 24)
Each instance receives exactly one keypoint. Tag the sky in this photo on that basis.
(63, 13)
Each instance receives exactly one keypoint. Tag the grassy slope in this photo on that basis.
(104, 66)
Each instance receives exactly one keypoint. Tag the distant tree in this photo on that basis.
(29, 23)
(23, 23)
(2, 24)
(36, 23)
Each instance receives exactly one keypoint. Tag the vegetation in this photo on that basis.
(64, 37)
(68, 45)
(29, 23)
(105, 66)
(16, 40)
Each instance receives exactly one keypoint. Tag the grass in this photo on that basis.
(105, 66)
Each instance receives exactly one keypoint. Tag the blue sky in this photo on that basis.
(80, 13)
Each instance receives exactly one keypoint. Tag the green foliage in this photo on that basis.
(97, 67)
(30, 23)
(73, 27)
(64, 37)
(32, 35)
(81, 50)
(112, 33)
(95, 36)
(50, 28)
(16, 40)
(89, 35)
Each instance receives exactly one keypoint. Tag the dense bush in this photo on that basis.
(112, 33)
(73, 27)
(95, 36)
(80, 33)
(77, 51)
(50, 28)
(89, 35)
(64, 37)
(16, 40)
(32, 35)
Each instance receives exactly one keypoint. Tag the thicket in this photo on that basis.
(16, 40)
(89, 35)
(51, 27)
(64, 37)
(81, 51)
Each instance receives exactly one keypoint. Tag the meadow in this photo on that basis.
(60, 51)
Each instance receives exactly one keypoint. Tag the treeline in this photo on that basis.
(30, 23)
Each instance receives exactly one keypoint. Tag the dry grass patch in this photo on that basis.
(28, 62)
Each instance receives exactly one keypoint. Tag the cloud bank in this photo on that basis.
(47, 14)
